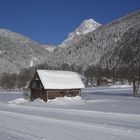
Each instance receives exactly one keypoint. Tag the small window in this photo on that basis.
(36, 84)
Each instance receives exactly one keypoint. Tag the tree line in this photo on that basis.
(92, 74)
(21, 80)
(127, 68)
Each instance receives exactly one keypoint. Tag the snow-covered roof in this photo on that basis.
(58, 79)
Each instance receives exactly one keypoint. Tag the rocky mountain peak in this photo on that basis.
(85, 27)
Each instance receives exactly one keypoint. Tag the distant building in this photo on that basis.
(106, 81)
(48, 84)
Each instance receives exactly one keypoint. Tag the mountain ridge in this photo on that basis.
(18, 52)
(85, 27)
(94, 47)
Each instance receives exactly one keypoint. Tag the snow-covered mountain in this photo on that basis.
(89, 44)
(99, 44)
(17, 52)
(85, 27)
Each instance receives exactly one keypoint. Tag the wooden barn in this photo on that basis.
(48, 84)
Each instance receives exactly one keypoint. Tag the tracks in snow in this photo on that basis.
(68, 123)
(85, 113)
(17, 134)
(105, 129)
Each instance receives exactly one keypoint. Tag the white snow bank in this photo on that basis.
(54, 79)
(121, 86)
(66, 101)
(56, 101)
(18, 101)
(38, 100)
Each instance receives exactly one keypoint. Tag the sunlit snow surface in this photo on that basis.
(59, 79)
(103, 113)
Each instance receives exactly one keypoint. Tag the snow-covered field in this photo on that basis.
(103, 113)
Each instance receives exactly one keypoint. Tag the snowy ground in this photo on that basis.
(103, 113)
